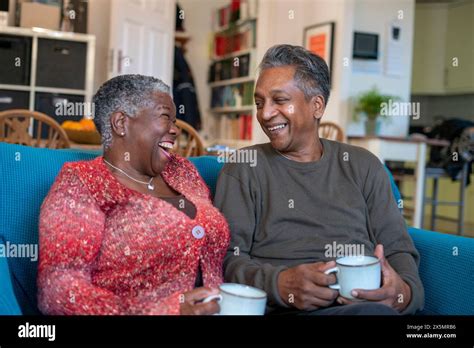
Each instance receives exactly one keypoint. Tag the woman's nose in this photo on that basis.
(174, 129)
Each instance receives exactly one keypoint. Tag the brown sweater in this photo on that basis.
(283, 213)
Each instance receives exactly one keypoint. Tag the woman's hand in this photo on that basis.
(192, 304)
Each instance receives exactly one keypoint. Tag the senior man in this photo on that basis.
(307, 194)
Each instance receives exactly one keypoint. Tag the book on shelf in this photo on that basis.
(230, 68)
(235, 126)
(236, 11)
(235, 40)
(235, 95)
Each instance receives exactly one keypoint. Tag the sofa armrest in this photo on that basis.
(8, 302)
(447, 272)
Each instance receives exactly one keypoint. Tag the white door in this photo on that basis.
(142, 38)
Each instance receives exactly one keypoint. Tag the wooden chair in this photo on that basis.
(188, 143)
(15, 125)
(331, 131)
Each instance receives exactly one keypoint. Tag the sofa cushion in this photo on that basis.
(8, 303)
(26, 175)
(447, 271)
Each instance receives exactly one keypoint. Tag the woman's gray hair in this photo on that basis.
(311, 71)
(126, 93)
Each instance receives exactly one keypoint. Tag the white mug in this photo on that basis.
(239, 299)
(356, 272)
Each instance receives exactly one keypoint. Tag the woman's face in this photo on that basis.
(152, 132)
(284, 114)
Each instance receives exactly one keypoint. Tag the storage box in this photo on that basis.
(40, 15)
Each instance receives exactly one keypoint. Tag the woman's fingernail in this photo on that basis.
(354, 293)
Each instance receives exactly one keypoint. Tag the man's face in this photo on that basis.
(286, 117)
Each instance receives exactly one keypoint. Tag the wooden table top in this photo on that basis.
(427, 141)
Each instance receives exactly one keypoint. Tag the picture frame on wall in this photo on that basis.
(319, 39)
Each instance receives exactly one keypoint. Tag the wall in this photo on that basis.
(283, 21)
(98, 25)
(198, 23)
(374, 16)
(429, 48)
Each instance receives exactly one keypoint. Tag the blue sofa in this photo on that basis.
(26, 174)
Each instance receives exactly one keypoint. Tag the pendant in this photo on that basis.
(150, 186)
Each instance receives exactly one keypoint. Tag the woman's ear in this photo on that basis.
(118, 121)
(317, 106)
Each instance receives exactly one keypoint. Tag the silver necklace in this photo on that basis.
(148, 184)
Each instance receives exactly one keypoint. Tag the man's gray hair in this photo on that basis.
(311, 71)
(126, 93)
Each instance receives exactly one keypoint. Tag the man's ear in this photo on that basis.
(118, 122)
(317, 106)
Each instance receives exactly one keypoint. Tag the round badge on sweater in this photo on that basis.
(198, 232)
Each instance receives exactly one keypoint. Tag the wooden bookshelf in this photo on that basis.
(233, 54)
(235, 25)
(232, 67)
(231, 81)
(230, 109)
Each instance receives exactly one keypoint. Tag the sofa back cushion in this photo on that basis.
(8, 302)
(26, 175)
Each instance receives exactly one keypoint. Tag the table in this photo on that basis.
(87, 147)
(402, 149)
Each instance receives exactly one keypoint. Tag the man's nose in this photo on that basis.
(269, 111)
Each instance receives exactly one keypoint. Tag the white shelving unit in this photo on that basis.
(33, 87)
(217, 113)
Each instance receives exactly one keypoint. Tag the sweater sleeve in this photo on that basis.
(236, 199)
(389, 229)
(70, 232)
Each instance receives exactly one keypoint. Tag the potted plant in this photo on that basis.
(370, 103)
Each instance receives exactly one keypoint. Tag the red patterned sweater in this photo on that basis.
(107, 249)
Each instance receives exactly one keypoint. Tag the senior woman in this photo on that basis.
(134, 231)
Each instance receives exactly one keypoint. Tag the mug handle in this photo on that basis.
(212, 297)
(333, 286)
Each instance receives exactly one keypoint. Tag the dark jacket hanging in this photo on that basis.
(184, 92)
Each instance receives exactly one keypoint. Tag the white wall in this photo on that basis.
(198, 23)
(283, 21)
(375, 16)
(98, 25)
(277, 25)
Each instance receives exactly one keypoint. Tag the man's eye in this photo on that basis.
(259, 105)
(281, 100)
(166, 116)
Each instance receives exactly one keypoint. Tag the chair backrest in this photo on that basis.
(188, 143)
(16, 123)
(331, 131)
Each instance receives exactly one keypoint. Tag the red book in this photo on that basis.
(242, 126)
(219, 45)
(248, 133)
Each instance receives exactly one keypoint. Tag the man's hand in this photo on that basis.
(306, 286)
(192, 305)
(394, 291)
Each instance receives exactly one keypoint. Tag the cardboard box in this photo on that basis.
(40, 15)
